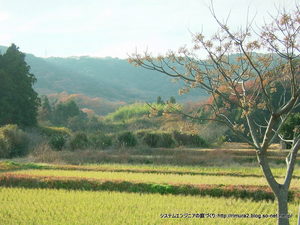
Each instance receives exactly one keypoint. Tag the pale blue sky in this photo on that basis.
(116, 27)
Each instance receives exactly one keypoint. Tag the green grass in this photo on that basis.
(129, 111)
(138, 110)
(152, 178)
(61, 207)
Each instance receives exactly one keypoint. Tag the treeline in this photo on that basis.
(66, 114)
(28, 122)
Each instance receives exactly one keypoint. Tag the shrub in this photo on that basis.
(35, 137)
(57, 136)
(189, 139)
(156, 139)
(127, 139)
(151, 139)
(57, 142)
(100, 140)
(166, 140)
(79, 141)
(141, 133)
(4, 150)
(53, 131)
(13, 141)
(212, 131)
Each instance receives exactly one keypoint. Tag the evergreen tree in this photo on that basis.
(172, 100)
(67, 111)
(45, 111)
(159, 100)
(18, 101)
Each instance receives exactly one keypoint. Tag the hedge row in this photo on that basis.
(256, 193)
(167, 140)
(125, 139)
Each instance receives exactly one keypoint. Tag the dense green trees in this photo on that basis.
(291, 126)
(64, 111)
(18, 101)
(66, 114)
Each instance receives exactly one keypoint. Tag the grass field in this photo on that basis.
(36, 206)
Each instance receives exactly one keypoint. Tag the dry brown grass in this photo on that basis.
(44, 153)
(229, 154)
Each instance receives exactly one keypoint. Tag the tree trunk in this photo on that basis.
(280, 190)
(298, 216)
(282, 211)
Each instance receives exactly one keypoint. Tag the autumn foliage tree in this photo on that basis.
(267, 58)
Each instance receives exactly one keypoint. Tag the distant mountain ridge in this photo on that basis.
(112, 79)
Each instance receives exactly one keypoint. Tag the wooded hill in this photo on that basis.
(111, 79)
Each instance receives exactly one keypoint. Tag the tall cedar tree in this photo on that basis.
(18, 100)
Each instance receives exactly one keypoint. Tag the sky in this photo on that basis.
(116, 28)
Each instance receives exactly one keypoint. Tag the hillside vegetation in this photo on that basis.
(111, 79)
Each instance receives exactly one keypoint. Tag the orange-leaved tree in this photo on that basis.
(245, 69)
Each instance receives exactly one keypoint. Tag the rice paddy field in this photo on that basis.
(137, 194)
(152, 177)
(46, 206)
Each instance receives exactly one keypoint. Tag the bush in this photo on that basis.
(54, 131)
(127, 139)
(151, 139)
(79, 141)
(189, 139)
(57, 136)
(100, 141)
(141, 133)
(156, 139)
(212, 131)
(4, 150)
(166, 140)
(57, 142)
(13, 141)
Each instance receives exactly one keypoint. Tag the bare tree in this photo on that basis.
(244, 69)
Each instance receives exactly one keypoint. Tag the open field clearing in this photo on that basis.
(37, 206)
(152, 178)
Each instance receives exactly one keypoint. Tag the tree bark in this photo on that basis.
(282, 212)
(298, 216)
(280, 191)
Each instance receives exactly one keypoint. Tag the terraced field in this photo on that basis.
(62, 207)
(160, 178)
(137, 194)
